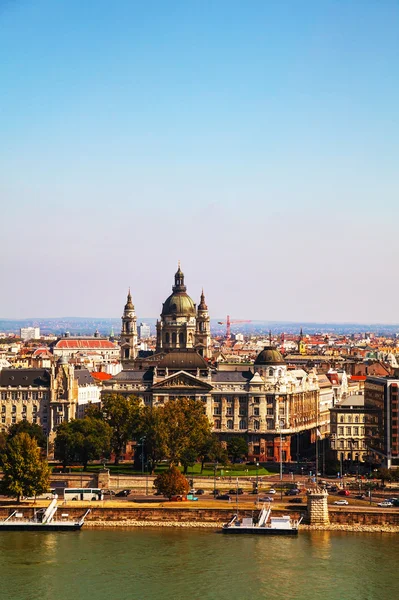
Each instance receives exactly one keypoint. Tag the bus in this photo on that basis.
(83, 494)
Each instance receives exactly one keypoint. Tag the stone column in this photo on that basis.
(318, 507)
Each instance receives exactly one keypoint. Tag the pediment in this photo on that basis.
(182, 380)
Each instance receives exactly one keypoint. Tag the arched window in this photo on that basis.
(127, 353)
(181, 339)
(271, 372)
(167, 338)
(256, 424)
(341, 419)
(229, 424)
(173, 338)
(243, 424)
(217, 424)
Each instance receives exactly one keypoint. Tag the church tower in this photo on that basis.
(176, 329)
(128, 333)
(203, 330)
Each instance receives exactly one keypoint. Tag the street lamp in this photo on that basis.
(281, 425)
(214, 478)
(257, 489)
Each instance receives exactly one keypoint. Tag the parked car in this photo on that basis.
(108, 492)
(266, 499)
(178, 498)
(360, 497)
(295, 500)
(236, 491)
(192, 497)
(341, 502)
(344, 493)
(223, 497)
(215, 492)
(123, 493)
(200, 492)
(272, 491)
(385, 504)
(333, 489)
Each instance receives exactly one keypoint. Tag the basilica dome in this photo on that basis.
(179, 302)
(269, 356)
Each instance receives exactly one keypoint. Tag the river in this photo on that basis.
(166, 564)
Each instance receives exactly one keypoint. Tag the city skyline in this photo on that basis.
(258, 144)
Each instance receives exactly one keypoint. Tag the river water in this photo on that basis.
(166, 564)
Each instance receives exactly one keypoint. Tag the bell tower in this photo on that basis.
(129, 332)
(203, 330)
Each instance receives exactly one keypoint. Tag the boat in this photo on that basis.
(43, 520)
(264, 525)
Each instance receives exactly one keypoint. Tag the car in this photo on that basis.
(192, 497)
(344, 493)
(223, 497)
(215, 492)
(360, 497)
(385, 504)
(266, 499)
(178, 498)
(236, 491)
(295, 500)
(108, 492)
(341, 502)
(293, 492)
(200, 492)
(333, 489)
(123, 493)
(272, 491)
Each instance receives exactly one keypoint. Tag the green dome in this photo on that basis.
(269, 356)
(179, 304)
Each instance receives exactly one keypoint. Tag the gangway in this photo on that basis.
(50, 511)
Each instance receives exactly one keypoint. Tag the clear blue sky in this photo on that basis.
(256, 141)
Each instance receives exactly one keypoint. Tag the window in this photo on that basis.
(217, 424)
(4, 395)
(3, 408)
(174, 338)
(356, 431)
(340, 431)
(271, 372)
(256, 411)
(14, 395)
(229, 424)
(349, 431)
(349, 418)
(217, 410)
(270, 423)
(257, 400)
(229, 411)
(14, 408)
(45, 396)
(13, 419)
(34, 395)
(34, 408)
(341, 419)
(243, 424)
(356, 419)
(44, 419)
(181, 339)
(34, 419)
(3, 418)
(24, 395)
(242, 410)
(256, 424)
(24, 408)
(270, 411)
(24, 417)
(341, 445)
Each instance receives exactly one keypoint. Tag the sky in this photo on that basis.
(256, 142)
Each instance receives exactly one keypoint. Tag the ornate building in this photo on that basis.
(129, 333)
(268, 404)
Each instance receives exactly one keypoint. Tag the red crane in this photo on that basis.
(229, 322)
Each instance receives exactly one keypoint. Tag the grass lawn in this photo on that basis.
(239, 470)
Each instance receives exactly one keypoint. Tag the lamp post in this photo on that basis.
(281, 424)
(214, 478)
(257, 489)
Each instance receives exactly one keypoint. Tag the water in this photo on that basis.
(166, 564)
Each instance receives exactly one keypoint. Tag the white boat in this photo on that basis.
(264, 525)
(43, 520)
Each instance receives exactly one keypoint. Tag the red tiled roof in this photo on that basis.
(100, 376)
(85, 344)
(358, 377)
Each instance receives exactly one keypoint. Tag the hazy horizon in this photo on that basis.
(256, 142)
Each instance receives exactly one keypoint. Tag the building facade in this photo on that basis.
(382, 395)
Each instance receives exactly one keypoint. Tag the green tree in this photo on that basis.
(123, 415)
(237, 448)
(215, 452)
(152, 428)
(171, 482)
(25, 472)
(82, 440)
(32, 429)
(186, 429)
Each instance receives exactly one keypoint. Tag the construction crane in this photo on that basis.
(229, 322)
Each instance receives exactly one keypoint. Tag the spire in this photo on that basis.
(202, 305)
(129, 303)
(270, 337)
(179, 280)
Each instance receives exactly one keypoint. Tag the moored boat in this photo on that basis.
(42, 520)
(264, 525)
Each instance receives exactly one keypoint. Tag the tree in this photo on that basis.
(123, 415)
(237, 448)
(213, 451)
(82, 440)
(186, 429)
(32, 429)
(171, 482)
(26, 473)
(152, 428)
